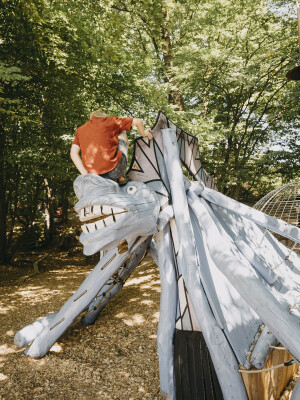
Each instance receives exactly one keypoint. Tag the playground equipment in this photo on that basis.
(229, 288)
(283, 203)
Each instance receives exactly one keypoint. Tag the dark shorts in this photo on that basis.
(120, 168)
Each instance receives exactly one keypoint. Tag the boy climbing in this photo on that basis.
(103, 144)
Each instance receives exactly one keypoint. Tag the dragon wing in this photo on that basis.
(148, 165)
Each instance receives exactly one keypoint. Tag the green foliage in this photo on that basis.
(216, 68)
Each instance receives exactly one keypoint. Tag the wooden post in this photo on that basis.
(30, 332)
(258, 217)
(167, 316)
(222, 356)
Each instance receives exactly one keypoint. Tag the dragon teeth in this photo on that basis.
(97, 210)
(109, 220)
(94, 226)
(90, 212)
(84, 229)
(106, 210)
(99, 224)
(91, 227)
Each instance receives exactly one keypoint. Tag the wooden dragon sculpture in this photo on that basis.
(226, 281)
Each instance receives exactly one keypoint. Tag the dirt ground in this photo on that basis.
(115, 359)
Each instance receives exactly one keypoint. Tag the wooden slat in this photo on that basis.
(274, 224)
(195, 374)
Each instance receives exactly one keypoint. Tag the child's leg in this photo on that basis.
(123, 143)
(123, 146)
(119, 171)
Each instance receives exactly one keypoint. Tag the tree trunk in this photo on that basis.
(64, 202)
(3, 200)
(175, 96)
(49, 212)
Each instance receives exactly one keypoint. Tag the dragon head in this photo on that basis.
(112, 213)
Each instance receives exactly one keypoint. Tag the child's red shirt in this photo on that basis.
(98, 141)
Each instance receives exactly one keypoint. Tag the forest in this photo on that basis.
(215, 68)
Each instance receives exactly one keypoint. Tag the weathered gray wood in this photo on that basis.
(283, 263)
(234, 308)
(167, 316)
(284, 326)
(262, 349)
(274, 224)
(222, 356)
(115, 284)
(205, 270)
(78, 302)
(139, 203)
(272, 253)
(164, 217)
(153, 251)
(30, 332)
(268, 275)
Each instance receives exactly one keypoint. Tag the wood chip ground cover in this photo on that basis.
(115, 359)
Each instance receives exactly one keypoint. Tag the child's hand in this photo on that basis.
(148, 134)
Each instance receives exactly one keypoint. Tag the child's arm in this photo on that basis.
(140, 126)
(75, 156)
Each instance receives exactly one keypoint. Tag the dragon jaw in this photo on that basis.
(113, 213)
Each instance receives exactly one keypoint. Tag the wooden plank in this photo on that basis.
(223, 358)
(233, 307)
(261, 350)
(254, 259)
(153, 251)
(274, 224)
(283, 325)
(194, 371)
(168, 308)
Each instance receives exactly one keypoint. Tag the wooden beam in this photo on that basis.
(167, 315)
(276, 316)
(272, 223)
(221, 353)
(115, 284)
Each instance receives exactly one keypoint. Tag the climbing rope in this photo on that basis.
(265, 231)
(277, 348)
(284, 259)
(258, 371)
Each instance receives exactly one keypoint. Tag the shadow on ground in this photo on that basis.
(116, 358)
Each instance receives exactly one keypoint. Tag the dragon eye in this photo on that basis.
(131, 189)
